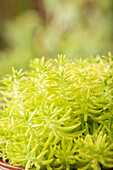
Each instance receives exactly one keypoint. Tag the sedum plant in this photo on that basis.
(59, 115)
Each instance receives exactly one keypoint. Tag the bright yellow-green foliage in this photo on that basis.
(59, 115)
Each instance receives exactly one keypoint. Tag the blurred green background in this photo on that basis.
(36, 28)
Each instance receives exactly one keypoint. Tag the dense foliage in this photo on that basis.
(59, 115)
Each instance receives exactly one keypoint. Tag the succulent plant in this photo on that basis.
(59, 115)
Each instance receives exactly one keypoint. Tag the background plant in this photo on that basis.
(59, 115)
(49, 27)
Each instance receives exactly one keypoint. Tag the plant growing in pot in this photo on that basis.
(58, 115)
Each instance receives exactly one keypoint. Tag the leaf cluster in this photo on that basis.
(59, 115)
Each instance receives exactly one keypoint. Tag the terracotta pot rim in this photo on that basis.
(6, 166)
